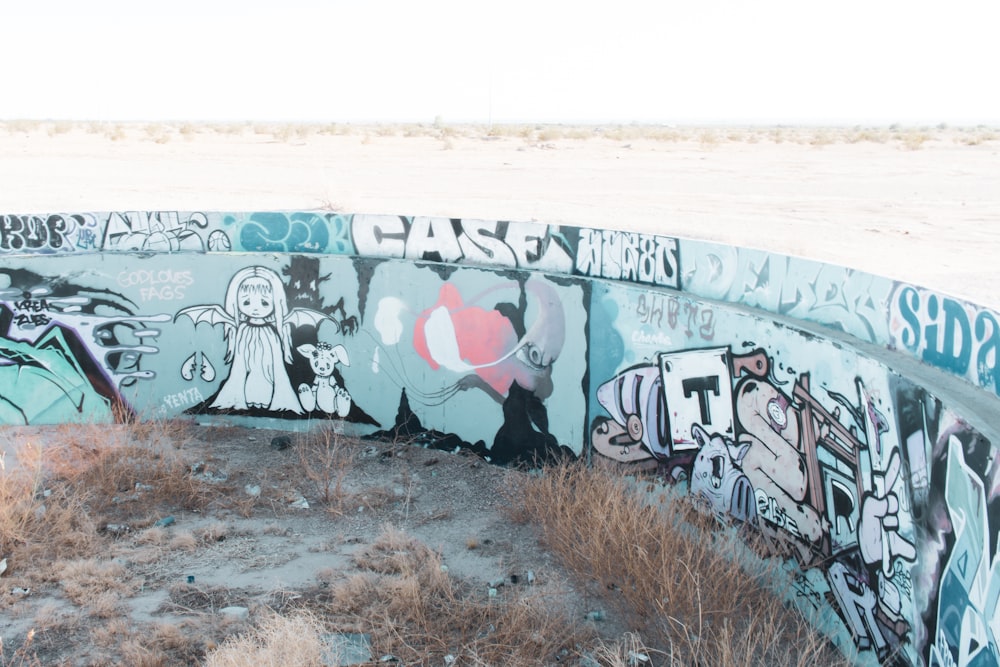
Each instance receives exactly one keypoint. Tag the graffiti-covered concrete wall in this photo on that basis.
(826, 409)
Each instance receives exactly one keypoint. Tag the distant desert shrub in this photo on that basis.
(158, 132)
(507, 130)
(664, 134)
(915, 139)
(22, 126)
(872, 135)
(623, 133)
(60, 127)
(334, 129)
(580, 133)
(974, 136)
(708, 139)
(550, 134)
(115, 132)
(822, 137)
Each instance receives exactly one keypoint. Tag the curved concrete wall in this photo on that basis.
(846, 416)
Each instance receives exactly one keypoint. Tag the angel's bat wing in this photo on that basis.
(301, 316)
(213, 314)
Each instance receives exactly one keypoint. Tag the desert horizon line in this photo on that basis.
(440, 121)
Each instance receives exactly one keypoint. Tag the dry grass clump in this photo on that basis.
(88, 581)
(132, 481)
(162, 645)
(325, 459)
(22, 126)
(115, 132)
(629, 651)
(526, 132)
(414, 610)
(822, 137)
(871, 135)
(276, 641)
(58, 127)
(669, 570)
(90, 484)
(37, 521)
(974, 136)
(23, 656)
(230, 129)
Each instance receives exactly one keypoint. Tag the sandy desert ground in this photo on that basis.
(918, 204)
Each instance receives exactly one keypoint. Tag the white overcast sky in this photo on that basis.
(696, 61)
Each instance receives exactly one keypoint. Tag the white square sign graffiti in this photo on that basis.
(699, 389)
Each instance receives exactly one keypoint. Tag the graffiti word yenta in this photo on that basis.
(183, 399)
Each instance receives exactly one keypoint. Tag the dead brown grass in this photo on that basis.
(23, 656)
(416, 611)
(288, 641)
(671, 570)
(65, 509)
(38, 520)
(325, 457)
(78, 520)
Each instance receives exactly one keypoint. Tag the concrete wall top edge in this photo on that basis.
(952, 334)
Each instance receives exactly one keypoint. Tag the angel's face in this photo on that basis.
(255, 301)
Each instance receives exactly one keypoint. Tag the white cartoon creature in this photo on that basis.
(325, 393)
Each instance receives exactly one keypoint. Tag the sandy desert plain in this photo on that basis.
(917, 204)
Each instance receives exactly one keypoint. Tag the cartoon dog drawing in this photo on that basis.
(325, 393)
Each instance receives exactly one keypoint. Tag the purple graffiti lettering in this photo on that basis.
(650, 310)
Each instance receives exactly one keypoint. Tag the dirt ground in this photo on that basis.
(279, 532)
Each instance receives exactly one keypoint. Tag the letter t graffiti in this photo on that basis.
(701, 386)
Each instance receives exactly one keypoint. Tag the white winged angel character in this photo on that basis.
(257, 326)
